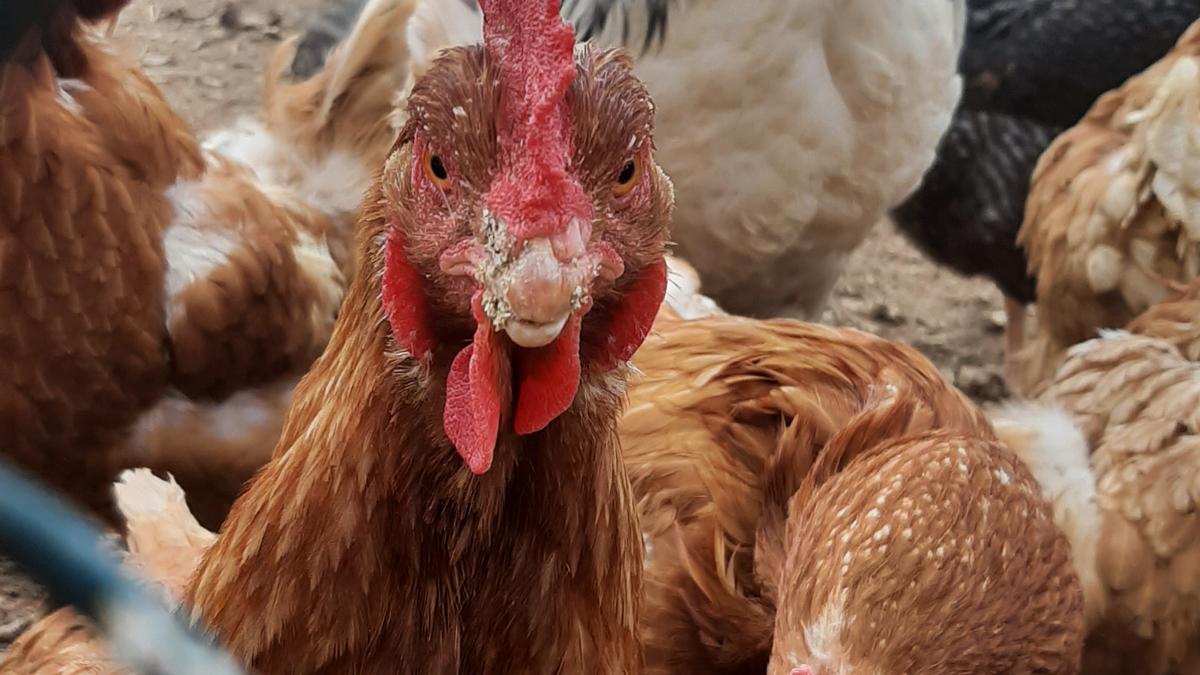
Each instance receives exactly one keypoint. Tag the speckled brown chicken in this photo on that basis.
(727, 420)
(1115, 443)
(933, 553)
(140, 266)
(1112, 216)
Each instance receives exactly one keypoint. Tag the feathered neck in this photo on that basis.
(366, 541)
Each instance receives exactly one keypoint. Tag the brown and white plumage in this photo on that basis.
(928, 553)
(141, 266)
(1112, 216)
(1176, 320)
(1115, 441)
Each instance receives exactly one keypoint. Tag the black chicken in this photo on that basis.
(1049, 60)
(1030, 69)
(972, 201)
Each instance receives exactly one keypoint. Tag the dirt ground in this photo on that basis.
(208, 56)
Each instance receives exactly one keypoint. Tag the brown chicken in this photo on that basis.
(1176, 321)
(1112, 215)
(511, 265)
(1115, 443)
(140, 267)
(933, 553)
(725, 422)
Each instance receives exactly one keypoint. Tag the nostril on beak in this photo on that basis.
(571, 243)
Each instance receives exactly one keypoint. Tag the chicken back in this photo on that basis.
(1111, 222)
(934, 553)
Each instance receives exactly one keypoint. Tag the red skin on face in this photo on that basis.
(533, 195)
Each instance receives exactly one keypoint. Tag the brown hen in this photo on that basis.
(141, 267)
(932, 553)
(721, 400)
(1112, 216)
(1115, 443)
(448, 494)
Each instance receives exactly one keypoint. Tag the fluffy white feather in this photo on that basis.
(1052, 446)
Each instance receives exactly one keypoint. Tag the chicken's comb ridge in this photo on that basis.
(534, 50)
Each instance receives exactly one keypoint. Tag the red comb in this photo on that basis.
(534, 50)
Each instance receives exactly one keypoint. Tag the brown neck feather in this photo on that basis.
(367, 546)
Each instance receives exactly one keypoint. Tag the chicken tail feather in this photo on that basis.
(30, 29)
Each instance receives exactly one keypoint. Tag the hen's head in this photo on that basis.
(528, 222)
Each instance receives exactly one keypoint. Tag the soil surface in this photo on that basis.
(208, 56)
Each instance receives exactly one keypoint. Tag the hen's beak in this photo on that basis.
(532, 288)
(546, 285)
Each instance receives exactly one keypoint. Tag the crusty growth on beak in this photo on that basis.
(537, 219)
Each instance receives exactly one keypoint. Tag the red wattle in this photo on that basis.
(476, 390)
(547, 379)
(404, 303)
(633, 317)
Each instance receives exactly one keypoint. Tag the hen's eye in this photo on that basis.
(435, 169)
(628, 177)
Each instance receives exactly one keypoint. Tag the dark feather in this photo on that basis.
(594, 16)
(30, 28)
(971, 203)
(324, 33)
(20, 20)
(1051, 59)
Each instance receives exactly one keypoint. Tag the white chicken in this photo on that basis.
(789, 128)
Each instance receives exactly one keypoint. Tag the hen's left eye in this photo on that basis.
(628, 177)
(435, 169)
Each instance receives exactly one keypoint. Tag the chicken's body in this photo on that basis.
(359, 535)
(788, 128)
(1111, 220)
(732, 417)
(720, 398)
(971, 204)
(1117, 448)
(81, 259)
(928, 553)
(140, 266)
(1049, 61)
